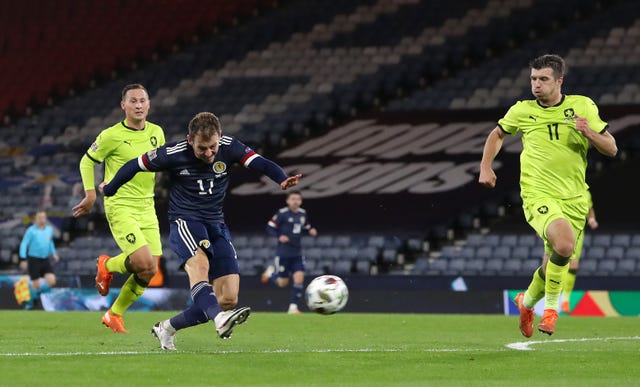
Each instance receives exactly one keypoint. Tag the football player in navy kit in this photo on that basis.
(288, 225)
(199, 170)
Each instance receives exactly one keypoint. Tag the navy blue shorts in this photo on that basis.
(186, 236)
(285, 266)
(38, 267)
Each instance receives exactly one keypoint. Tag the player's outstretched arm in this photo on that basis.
(88, 182)
(492, 146)
(274, 172)
(124, 174)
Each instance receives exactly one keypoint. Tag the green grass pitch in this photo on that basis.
(346, 349)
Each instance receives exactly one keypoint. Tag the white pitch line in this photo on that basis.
(227, 352)
(525, 345)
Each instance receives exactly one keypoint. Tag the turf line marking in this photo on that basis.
(227, 352)
(526, 345)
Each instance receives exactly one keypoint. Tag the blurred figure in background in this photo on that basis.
(36, 249)
(289, 224)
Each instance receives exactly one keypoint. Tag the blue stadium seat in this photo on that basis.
(332, 253)
(437, 266)
(368, 253)
(622, 240)
(606, 266)
(342, 241)
(256, 241)
(324, 241)
(475, 240)
(595, 253)
(626, 267)
(502, 252)
(376, 241)
(512, 266)
(494, 264)
(456, 265)
(520, 252)
(420, 266)
(389, 256)
(474, 266)
(601, 240)
(342, 267)
(363, 267)
(588, 266)
(509, 240)
(614, 252)
(240, 241)
(633, 253)
(307, 241)
(527, 240)
(529, 265)
(484, 252)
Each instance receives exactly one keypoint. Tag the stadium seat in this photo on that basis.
(626, 267)
(633, 253)
(588, 266)
(363, 267)
(502, 252)
(484, 252)
(606, 266)
(475, 240)
(520, 252)
(601, 240)
(342, 267)
(509, 240)
(325, 241)
(595, 253)
(614, 252)
(512, 266)
(494, 265)
(622, 240)
(527, 240)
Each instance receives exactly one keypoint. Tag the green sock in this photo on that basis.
(129, 293)
(568, 284)
(117, 264)
(535, 291)
(553, 284)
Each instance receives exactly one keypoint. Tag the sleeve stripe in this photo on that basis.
(92, 159)
(246, 160)
(143, 163)
(273, 224)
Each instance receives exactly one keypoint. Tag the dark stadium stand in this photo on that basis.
(280, 73)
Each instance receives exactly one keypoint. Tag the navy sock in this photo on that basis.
(205, 299)
(191, 316)
(296, 294)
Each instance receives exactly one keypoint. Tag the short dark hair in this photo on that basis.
(206, 124)
(294, 192)
(133, 86)
(552, 61)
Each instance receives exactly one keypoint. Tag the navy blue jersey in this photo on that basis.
(293, 225)
(197, 189)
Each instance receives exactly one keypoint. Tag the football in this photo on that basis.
(327, 294)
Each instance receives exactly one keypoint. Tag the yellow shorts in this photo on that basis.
(134, 224)
(541, 211)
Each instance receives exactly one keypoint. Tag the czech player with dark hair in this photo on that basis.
(199, 169)
(557, 131)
